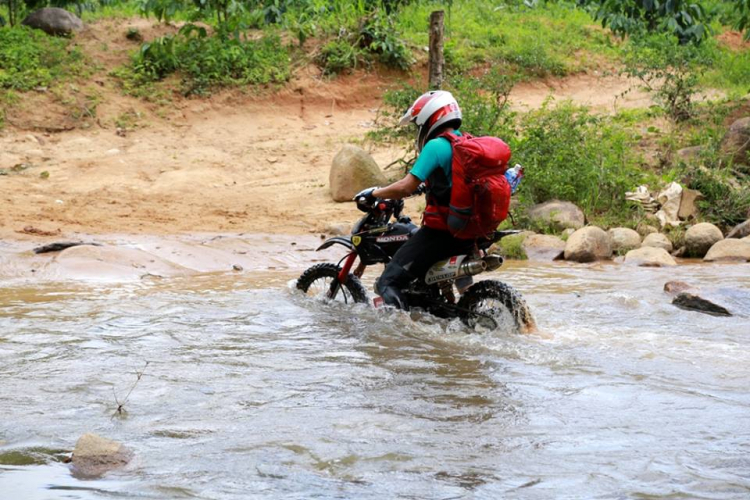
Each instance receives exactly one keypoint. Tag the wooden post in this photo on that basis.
(437, 61)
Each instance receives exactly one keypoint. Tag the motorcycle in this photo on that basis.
(447, 289)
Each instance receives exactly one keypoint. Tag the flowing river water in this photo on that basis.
(253, 391)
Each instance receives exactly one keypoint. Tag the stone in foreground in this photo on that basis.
(558, 214)
(650, 257)
(729, 250)
(94, 455)
(588, 244)
(353, 170)
(700, 238)
(54, 21)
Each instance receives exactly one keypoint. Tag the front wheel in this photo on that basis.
(490, 303)
(321, 279)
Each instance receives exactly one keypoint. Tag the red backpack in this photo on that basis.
(480, 193)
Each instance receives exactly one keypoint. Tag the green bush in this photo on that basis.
(207, 61)
(29, 58)
(337, 56)
(378, 35)
(726, 200)
(570, 154)
(669, 70)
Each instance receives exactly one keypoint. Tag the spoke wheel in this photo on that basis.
(488, 304)
(319, 281)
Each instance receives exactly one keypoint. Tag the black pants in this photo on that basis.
(412, 261)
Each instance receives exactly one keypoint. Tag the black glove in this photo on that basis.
(365, 197)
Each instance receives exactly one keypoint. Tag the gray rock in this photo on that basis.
(588, 244)
(729, 249)
(736, 142)
(740, 230)
(94, 455)
(700, 237)
(543, 247)
(657, 240)
(624, 239)
(649, 257)
(54, 21)
(353, 170)
(557, 214)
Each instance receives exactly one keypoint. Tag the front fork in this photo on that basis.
(343, 275)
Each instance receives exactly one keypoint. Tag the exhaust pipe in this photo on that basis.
(471, 268)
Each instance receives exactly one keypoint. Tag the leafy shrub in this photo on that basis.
(378, 35)
(727, 201)
(205, 61)
(669, 70)
(337, 56)
(569, 154)
(29, 58)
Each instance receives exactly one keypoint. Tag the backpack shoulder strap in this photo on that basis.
(453, 138)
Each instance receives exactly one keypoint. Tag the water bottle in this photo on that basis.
(514, 176)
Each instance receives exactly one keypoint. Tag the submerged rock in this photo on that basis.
(94, 455)
(692, 302)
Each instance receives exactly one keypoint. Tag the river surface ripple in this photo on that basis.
(252, 391)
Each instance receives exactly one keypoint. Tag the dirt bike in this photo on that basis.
(375, 239)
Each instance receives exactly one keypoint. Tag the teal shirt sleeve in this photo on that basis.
(436, 153)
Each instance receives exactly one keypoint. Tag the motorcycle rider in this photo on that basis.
(434, 113)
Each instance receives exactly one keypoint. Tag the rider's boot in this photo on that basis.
(390, 283)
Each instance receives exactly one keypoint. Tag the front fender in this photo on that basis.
(338, 240)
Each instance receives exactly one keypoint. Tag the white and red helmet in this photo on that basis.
(430, 112)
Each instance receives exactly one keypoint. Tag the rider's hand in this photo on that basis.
(365, 196)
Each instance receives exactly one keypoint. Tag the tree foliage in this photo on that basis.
(687, 20)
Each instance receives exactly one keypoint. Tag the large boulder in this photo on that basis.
(624, 239)
(657, 240)
(649, 257)
(95, 455)
(740, 230)
(558, 215)
(736, 142)
(588, 244)
(543, 247)
(700, 237)
(353, 170)
(54, 21)
(729, 249)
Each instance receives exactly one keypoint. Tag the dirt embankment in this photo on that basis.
(232, 163)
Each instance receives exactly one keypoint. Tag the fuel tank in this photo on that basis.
(399, 233)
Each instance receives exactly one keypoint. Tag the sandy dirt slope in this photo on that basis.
(233, 163)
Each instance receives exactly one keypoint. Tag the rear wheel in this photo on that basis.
(319, 279)
(489, 304)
